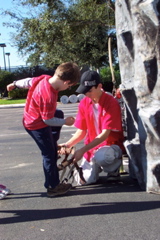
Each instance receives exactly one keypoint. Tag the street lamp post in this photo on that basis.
(3, 45)
(8, 54)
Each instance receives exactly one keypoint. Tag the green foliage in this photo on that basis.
(18, 94)
(22, 72)
(105, 73)
(5, 79)
(58, 32)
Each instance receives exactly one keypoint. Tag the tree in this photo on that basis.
(73, 31)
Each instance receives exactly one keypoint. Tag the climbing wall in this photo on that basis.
(138, 36)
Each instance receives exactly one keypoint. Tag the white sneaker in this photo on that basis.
(4, 189)
(2, 195)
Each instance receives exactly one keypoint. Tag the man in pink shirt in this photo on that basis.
(40, 116)
(99, 122)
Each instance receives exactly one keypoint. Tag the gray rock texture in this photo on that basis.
(138, 36)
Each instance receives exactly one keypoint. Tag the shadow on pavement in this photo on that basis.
(103, 186)
(91, 208)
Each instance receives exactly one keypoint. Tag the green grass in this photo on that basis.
(11, 101)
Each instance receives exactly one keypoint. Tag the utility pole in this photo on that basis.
(3, 45)
(8, 54)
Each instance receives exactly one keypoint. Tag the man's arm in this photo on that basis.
(77, 137)
(56, 122)
(25, 83)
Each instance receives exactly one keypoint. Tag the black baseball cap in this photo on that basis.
(88, 80)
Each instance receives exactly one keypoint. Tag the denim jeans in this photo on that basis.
(46, 139)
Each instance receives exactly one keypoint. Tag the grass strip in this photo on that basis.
(11, 101)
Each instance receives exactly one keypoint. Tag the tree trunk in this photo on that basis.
(138, 36)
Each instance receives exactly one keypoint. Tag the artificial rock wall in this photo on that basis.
(138, 36)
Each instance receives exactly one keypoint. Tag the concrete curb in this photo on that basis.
(21, 105)
(13, 105)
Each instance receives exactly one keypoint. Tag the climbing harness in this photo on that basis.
(67, 166)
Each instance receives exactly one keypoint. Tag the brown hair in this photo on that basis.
(68, 71)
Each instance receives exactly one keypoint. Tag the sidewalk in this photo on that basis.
(20, 105)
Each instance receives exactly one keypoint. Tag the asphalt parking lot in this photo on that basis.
(106, 210)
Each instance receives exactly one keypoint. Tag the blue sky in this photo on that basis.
(15, 59)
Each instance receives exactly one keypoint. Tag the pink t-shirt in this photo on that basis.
(41, 103)
(109, 118)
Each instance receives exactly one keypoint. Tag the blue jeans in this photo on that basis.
(46, 139)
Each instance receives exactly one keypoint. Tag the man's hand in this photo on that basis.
(61, 149)
(10, 87)
(78, 155)
(69, 121)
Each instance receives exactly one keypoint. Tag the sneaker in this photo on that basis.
(60, 189)
(2, 195)
(114, 176)
(4, 189)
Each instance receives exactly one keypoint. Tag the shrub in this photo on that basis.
(5, 79)
(106, 76)
(18, 94)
